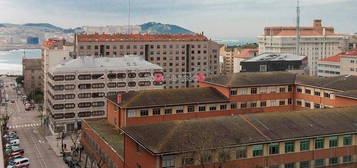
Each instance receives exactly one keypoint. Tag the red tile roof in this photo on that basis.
(247, 53)
(140, 37)
(337, 57)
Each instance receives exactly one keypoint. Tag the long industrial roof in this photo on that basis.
(93, 64)
(275, 57)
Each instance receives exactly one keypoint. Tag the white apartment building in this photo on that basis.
(316, 42)
(344, 63)
(77, 87)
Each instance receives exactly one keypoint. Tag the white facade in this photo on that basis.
(342, 64)
(77, 88)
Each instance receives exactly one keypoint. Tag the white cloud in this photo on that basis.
(318, 2)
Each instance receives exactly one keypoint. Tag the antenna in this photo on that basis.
(129, 11)
(298, 27)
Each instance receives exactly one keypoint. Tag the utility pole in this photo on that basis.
(298, 27)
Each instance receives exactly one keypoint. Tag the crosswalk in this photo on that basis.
(33, 125)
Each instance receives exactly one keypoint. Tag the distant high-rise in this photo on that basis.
(182, 56)
(316, 42)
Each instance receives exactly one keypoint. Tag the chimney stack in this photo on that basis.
(119, 98)
(317, 23)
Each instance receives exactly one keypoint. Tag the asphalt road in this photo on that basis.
(27, 125)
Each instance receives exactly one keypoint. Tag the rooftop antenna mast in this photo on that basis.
(129, 12)
(298, 27)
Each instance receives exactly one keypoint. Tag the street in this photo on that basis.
(27, 124)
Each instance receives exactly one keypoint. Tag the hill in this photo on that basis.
(159, 28)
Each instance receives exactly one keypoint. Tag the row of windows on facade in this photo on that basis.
(103, 155)
(330, 72)
(178, 58)
(315, 93)
(80, 114)
(102, 85)
(177, 52)
(203, 108)
(309, 104)
(96, 47)
(101, 76)
(273, 149)
(329, 66)
(79, 105)
(244, 91)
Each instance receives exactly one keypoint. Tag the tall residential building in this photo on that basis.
(53, 52)
(77, 87)
(33, 74)
(227, 54)
(181, 56)
(344, 63)
(316, 42)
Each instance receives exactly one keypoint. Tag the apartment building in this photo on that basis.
(181, 56)
(227, 54)
(317, 42)
(303, 139)
(269, 62)
(243, 55)
(33, 75)
(77, 87)
(344, 63)
(53, 52)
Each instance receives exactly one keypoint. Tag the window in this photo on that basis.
(111, 85)
(241, 152)
(274, 148)
(347, 140)
(138, 165)
(233, 91)
(333, 161)
(281, 90)
(307, 91)
(319, 143)
(290, 88)
(316, 105)
(168, 161)
(144, 74)
(112, 76)
(263, 68)
(131, 84)
(234, 106)
(253, 104)
(69, 87)
(191, 109)
(84, 77)
(307, 104)
(70, 77)
(97, 76)
(272, 103)
(253, 91)
(243, 105)
(212, 108)
(263, 104)
(319, 163)
(327, 95)
(223, 107)
(298, 102)
(121, 75)
(144, 83)
(69, 106)
(132, 75)
(273, 90)
(333, 141)
(289, 101)
(131, 113)
(168, 111)
(304, 145)
(282, 103)
(98, 104)
(243, 91)
(299, 90)
(144, 112)
(98, 85)
(289, 147)
(84, 86)
(202, 108)
(58, 78)
(262, 90)
(347, 159)
(179, 109)
(69, 115)
(85, 105)
(186, 161)
(257, 150)
(305, 164)
(289, 165)
(156, 111)
(317, 93)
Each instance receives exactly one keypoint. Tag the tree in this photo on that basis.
(20, 80)
(36, 96)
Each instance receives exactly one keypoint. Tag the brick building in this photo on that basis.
(180, 55)
(33, 75)
(139, 113)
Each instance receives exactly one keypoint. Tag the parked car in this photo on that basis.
(8, 145)
(12, 137)
(19, 150)
(9, 149)
(20, 162)
(12, 101)
(12, 158)
(9, 133)
(67, 158)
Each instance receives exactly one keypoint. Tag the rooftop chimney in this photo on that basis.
(317, 23)
(119, 98)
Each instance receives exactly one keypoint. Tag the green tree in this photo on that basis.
(36, 96)
(20, 80)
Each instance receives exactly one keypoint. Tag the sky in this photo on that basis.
(218, 19)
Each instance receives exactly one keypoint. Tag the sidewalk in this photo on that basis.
(1, 153)
(54, 143)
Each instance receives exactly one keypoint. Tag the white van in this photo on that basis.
(14, 142)
(20, 162)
